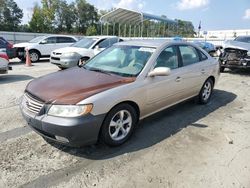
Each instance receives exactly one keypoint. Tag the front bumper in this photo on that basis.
(73, 132)
(64, 63)
(244, 63)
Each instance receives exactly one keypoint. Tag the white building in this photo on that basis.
(226, 34)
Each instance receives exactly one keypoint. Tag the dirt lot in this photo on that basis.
(185, 146)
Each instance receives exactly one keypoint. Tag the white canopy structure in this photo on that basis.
(132, 18)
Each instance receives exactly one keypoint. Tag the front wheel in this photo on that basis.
(34, 56)
(119, 124)
(206, 91)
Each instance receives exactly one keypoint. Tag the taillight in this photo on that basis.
(4, 56)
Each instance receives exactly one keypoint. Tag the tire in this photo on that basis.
(34, 56)
(82, 60)
(206, 91)
(222, 69)
(115, 131)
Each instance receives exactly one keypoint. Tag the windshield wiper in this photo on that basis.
(100, 70)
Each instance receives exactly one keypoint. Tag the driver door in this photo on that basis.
(163, 91)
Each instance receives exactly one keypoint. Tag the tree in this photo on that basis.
(86, 15)
(37, 23)
(10, 15)
(91, 31)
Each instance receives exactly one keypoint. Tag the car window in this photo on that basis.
(203, 56)
(107, 42)
(50, 40)
(168, 58)
(243, 39)
(189, 55)
(65, 40)
(127, 61)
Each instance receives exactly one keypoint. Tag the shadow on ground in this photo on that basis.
(157, 127)
(7, 78)
(19, 62)
(242, 72)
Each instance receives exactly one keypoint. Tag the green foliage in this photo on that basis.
(10, 15)
(91, 30)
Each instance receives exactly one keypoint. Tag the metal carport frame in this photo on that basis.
(131, 17)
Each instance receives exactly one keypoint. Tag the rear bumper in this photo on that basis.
(73, 132)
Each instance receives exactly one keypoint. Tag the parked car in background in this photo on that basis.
(42, 46)
(81, 51)
(4, 44)
(236, 53)
(208, 47)
(105, 98)
(4, 62)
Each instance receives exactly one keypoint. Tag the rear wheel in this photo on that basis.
(119, 124)
(206, 91)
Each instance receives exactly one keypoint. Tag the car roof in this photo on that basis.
(155, 43)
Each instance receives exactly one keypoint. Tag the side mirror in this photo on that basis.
(160, 71)
(43, 42)
(97, 47)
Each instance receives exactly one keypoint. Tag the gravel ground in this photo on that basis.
(187, 145)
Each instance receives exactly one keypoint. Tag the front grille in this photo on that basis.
(55, 58)
(31, 104)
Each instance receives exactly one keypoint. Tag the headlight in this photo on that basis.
(70, 110)
(69, 54)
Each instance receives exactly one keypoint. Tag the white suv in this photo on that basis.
(81, 51)
(42, 46)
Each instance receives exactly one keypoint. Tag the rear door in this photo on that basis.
(192, 70)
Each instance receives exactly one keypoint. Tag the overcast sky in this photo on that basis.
(214, 14)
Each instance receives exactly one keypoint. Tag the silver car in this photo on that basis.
(81, 51)
(105, 98)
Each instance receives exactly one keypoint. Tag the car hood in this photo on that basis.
(71, 49)
(73, 85)
(237, 45)
(22, 45)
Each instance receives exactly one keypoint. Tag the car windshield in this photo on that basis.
(243, 39)
(37, 39)
(84, 43)
(122, 60)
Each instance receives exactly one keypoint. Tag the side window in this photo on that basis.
(104, 43)
(189, 55)
(50, 40)
(113, 41)
(65, 40)
(168, 58)
(203, 56)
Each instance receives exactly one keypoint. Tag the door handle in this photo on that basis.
(178, 79)
(203, 71)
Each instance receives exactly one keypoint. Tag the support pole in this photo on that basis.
(129, 30)
(113, 29)
(107, 29)
(119, 32)
(101, 28)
